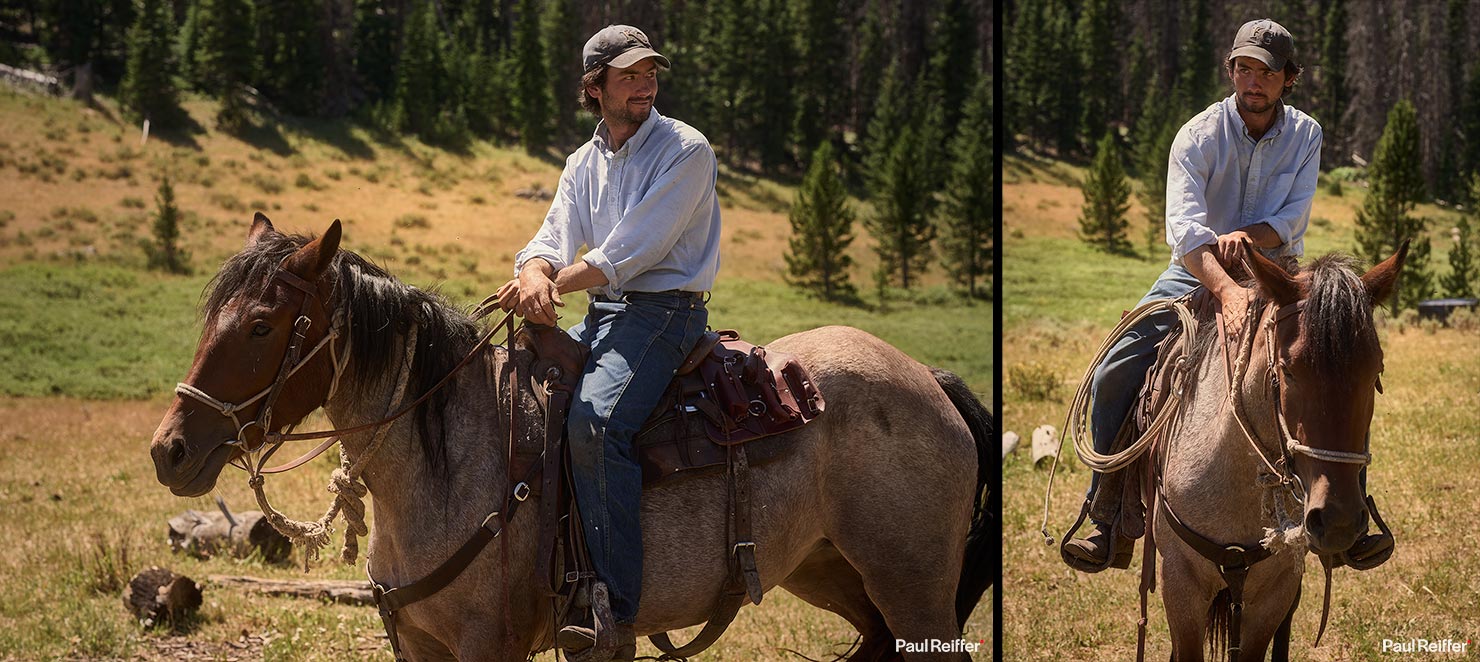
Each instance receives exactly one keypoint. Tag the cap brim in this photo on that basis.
(1259, 54)
(637, 55)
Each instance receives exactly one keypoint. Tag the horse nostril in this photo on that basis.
(1314, 523)
(177, 452)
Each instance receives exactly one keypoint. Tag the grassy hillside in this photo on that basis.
(91, 345)
(1060, 299)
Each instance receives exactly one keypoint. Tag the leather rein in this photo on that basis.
(1235, 560)
(272, 439)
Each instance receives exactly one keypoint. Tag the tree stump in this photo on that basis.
(157, 595)
(203, 535)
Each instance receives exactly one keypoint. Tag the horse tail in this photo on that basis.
(1218, 625)
(982, 538)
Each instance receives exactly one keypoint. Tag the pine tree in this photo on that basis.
(1395, 186)
(821, 230)
(1449, 181)
(225, 56)
(819, 48)
(873, 58)
(1469, 118)
(563, 41)
(952, 71)
(421, 82)
(890, 114)
(165, 252)
(148, 87)
(74, 38)
(1155, 132)
(1198, 80)
(291, 37)
(532, 102)
(1333, 83)
(1459, 282)
(1106, 199)
(1099, 25)
(375, 50)
(968, 212)
(902, 198)
(774, 107)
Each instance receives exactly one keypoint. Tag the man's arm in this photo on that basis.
(648, 231)
(1228, 253)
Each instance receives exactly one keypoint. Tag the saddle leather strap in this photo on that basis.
(1233, 561)
(553, 455)
(744, 579)
(390, 601)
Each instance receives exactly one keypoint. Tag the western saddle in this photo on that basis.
(727, 394)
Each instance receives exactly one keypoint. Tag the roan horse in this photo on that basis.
(1235, 467)
(874, 514)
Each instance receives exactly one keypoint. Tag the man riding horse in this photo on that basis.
(640, 197)
(1243, 169)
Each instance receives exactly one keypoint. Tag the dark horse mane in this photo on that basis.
(1336, 323)
(379, 307)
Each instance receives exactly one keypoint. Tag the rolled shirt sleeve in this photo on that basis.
(1188, 170)
(649, 231)
(559, 236)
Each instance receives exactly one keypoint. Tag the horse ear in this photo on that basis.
(261, 227)
(1271, 277)
(1380, 280)
(316, 256)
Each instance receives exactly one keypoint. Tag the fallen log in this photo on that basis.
(207, 534)
(157, 595)
(345, 592)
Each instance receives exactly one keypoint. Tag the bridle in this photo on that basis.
(272, 439)
(290, 365)
(1289, 446)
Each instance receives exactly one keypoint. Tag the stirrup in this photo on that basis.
(1114, 556)
(1370, 550)
(603, 635)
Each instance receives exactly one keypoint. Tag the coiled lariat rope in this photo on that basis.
(1075, 425)
(349, 491)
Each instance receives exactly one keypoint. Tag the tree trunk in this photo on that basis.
(208, 534)
(157, 595)
(345, 592)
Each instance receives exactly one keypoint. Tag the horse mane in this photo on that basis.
(379, 307)
(1337, 321)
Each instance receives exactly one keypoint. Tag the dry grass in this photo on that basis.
(1061, 298)
(108, 518)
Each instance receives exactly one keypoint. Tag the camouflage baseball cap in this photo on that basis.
(619, 46)
(1266, 41)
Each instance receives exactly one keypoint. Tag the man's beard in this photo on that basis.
(624, 114)
(1248, 105)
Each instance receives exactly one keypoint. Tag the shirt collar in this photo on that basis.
(602, 137)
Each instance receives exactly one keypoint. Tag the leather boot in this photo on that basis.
(577, 640)
(1091, 553)
(1368, 552)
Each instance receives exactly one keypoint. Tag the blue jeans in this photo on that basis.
(1118, 379)
(637, 343)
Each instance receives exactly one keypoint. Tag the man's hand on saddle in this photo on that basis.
(533, 295)
(1206, 262)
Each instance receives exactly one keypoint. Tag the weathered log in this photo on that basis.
(347, 592)
(208, 534)
(157, 595)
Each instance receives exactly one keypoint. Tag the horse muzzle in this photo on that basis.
(187, 469)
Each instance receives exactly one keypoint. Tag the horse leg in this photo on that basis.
(1186, 599)
(1281, 651)
(910, 574)
(827, 581)
(418, 645)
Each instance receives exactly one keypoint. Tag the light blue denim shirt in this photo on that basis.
(1220, 180)
(647, 213)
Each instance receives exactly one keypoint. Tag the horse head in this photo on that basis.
(1325, 367)
(268, 303)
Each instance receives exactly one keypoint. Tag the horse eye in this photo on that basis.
(261, 330)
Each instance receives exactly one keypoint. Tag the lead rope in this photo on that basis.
(1075, 422)
(349, 491)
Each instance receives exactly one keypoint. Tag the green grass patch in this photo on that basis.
(94, 331)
